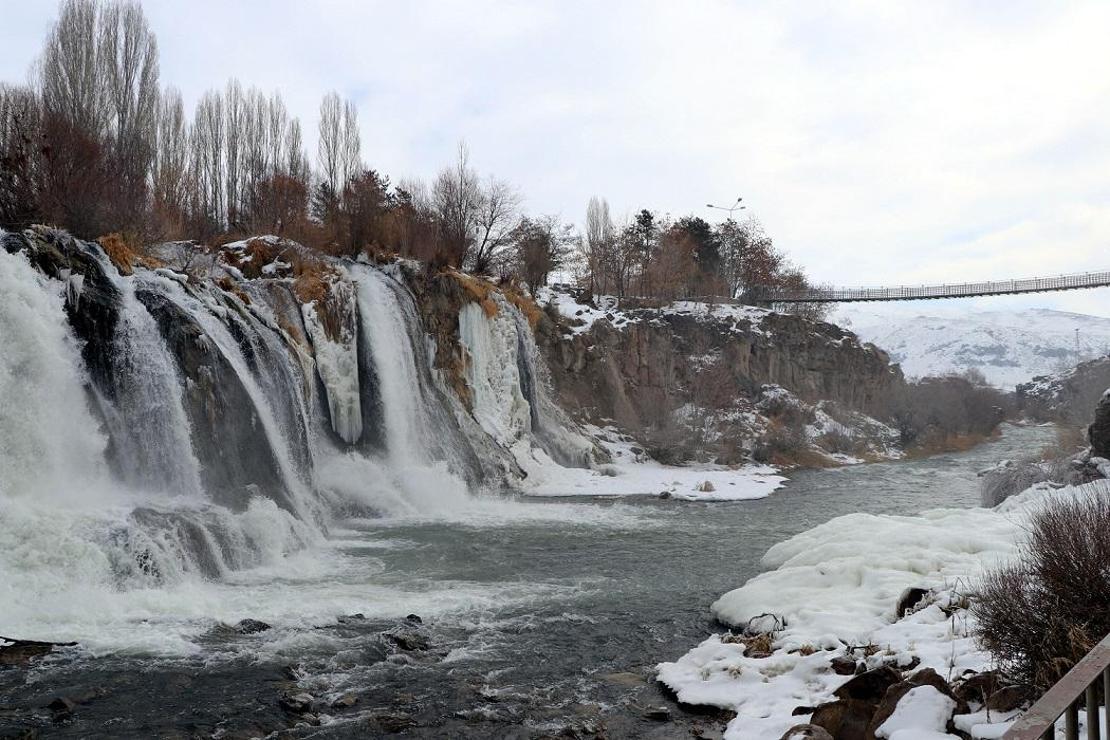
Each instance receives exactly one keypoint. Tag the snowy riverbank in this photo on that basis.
(838, 586)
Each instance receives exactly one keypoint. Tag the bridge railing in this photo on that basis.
(766, 294)
(1079, 687)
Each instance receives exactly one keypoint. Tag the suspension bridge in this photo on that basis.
(824, 294)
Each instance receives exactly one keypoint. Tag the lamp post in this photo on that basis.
(730, 210)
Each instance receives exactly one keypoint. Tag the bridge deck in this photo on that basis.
(1077, 281)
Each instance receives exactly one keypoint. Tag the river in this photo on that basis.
(542, 618)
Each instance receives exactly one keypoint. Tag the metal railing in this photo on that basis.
(1079, 688)
(1078, 281)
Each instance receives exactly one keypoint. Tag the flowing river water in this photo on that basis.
(538, 618)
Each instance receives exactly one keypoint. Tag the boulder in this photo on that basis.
(21, 652)
(300, 703)
(842, 665)
(977, 687)
(806, 732)
(250, 626)
(408, 635)
(869, 686)
(845, 719)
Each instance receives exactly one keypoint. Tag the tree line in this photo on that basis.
(95, 144)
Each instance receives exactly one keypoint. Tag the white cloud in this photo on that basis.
(880, 142)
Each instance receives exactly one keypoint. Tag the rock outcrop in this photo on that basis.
(646, 369)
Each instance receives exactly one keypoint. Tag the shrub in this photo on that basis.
(1043, 612)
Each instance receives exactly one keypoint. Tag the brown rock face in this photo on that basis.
(657, 362)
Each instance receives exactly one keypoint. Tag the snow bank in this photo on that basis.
(838, 585)
(632, 473)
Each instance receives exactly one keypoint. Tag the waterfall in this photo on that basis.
(159, 430)
(50, 444)
(149, 427)
(394, 357)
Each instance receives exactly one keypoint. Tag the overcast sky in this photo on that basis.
(879, 142)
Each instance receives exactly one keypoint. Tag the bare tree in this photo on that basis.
(70, 69)
(235, 105)
(20, 137)
(208, 159)
(169, 166)
(456, 198)
(598, 245)
(495, 216)
(328, 145)
(350, 144)
(128, 60)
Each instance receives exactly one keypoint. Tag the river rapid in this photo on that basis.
(536, 617)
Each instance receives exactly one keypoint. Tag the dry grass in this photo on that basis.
(481, 291)
(1040, 614)
(760, 646)
(525, 304)
(125, 253)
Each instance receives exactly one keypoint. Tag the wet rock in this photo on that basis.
(351, 618)
(977, 687)
(293, 672)
(806, 732)
(346, 701)
(910, 598)
(664, 494)
(414, 618)
(409, 635)
(390, 721)
(1010, 697)
(62, 705)
(842, 665)
(297, 703)
(869, 686)
(658, 714)
(15, 652)
(845, 719)
(250, 626)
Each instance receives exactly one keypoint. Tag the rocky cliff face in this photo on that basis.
(733, 377)
(1067, 397)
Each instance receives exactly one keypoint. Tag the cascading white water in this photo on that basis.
(408, 480)
(152, 429)
(207, 317)
(382, 317)
(48, 437)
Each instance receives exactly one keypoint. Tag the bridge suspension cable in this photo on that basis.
(1077, 281)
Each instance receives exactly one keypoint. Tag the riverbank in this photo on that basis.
(862, 592)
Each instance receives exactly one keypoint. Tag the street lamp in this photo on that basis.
(732, 209)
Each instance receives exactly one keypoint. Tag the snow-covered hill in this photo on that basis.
(1009, 347)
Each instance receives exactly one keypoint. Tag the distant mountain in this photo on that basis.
(1008, 347)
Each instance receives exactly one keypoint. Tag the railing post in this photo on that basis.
(1092, 712)
(1071, 721)
(1106, 697)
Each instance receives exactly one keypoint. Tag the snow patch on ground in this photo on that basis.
(838, 585)
(633, 473)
